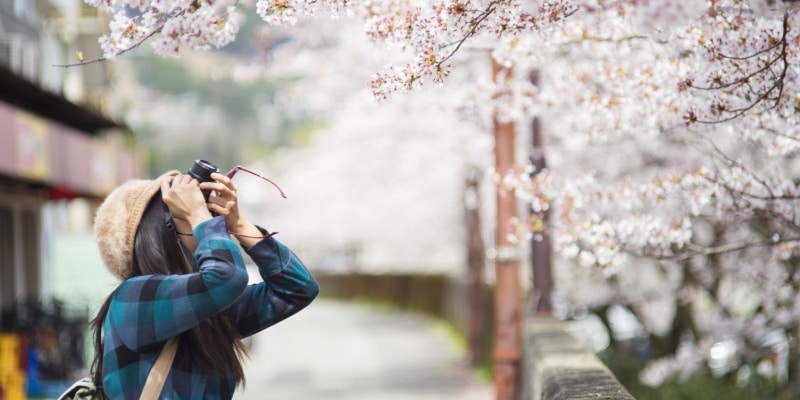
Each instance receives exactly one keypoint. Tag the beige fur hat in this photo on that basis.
(118, 219)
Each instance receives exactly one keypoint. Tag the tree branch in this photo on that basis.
(131, 47)
(778, 81)
(696, 250)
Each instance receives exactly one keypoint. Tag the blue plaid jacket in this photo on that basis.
(147, 310)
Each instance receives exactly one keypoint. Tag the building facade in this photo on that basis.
(55, 141)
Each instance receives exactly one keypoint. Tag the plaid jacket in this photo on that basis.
(147, 310)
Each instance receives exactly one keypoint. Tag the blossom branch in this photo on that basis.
(119, 52)
(474, 24)
(718, 107)
(694, 250)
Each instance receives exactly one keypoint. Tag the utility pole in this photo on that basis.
(476, 263)
(508, 296)
(540, 246)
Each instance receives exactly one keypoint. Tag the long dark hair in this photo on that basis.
(214, 342)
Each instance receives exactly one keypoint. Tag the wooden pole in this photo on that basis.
(476, 262)
(508, 299)
(540, 244)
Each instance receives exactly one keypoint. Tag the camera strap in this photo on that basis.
(168, 219)
(171, 227)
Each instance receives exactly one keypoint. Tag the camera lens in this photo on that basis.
(202, 170)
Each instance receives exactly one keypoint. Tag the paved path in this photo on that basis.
(343, 351)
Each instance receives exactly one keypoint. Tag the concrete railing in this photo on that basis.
(557, 367)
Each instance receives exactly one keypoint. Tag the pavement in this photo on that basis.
(338, 350)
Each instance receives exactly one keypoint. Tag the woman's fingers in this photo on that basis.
(224, 203)
(165, 186)
(222, 185)
(222, 178)
(220, 204)
(184, 199)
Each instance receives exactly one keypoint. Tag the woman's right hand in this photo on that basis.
(185, 200)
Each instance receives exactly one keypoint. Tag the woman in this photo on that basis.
(182, 275)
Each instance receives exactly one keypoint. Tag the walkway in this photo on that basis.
(342, 351)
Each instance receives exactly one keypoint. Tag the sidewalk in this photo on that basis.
(335, 350)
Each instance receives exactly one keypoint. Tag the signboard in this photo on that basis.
(72, 162)
(31, 151)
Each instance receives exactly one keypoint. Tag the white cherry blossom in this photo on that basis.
(672, 137)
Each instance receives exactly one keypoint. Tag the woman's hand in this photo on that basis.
(225, 203)
(185, 200)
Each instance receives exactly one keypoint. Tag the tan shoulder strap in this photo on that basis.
(159, 371)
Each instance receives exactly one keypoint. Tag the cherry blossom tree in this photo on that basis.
(688, 131)
(672, 138)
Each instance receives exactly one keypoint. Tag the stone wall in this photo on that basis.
(557, 367)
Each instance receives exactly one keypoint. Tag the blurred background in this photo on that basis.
(375, 194)
(387, 203)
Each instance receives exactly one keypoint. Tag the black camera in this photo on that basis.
(202, 170)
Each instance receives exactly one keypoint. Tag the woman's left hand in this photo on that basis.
(225, 203)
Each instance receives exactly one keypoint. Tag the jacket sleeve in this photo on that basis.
(287, 288)
(147, 310)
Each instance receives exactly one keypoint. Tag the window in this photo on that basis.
(25, 9)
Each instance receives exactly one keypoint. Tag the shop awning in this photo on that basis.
(48, 142)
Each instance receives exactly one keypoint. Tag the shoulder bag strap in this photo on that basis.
(159, 371)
